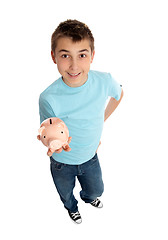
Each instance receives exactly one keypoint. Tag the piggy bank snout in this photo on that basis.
(55, 144)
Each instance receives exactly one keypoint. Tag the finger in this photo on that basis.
(69, 139)
(49, 154)
(59, 150)
(67, 149)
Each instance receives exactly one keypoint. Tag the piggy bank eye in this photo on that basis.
(62, 132)
(44, 137)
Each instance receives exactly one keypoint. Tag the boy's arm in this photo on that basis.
(111, 106)
(45, 110)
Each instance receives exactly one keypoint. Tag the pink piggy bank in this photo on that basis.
(54, 134)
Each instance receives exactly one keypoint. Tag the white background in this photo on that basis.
(131, 40)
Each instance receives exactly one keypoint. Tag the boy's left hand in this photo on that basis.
(98, 146)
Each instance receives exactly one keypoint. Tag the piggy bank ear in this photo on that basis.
(41, 130)
(38, 137)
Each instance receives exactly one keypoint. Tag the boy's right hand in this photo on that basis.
(67, 149)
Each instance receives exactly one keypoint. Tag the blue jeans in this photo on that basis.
(90, 178)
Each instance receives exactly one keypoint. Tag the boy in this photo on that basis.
(78, 97)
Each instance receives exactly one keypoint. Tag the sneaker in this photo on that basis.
(97, 203)
(76, 217)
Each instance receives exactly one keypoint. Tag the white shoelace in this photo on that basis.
(96, 202)
(75, 215)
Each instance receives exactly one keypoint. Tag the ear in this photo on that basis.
(41, 130)
(38, 137)
(92, 57)
(53, 57)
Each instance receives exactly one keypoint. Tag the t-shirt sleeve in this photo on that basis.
(45, 110)
(114, 88)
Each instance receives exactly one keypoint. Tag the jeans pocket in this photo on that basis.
(57, 165)
(94, 159)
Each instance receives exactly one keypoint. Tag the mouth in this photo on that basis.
(74, 75)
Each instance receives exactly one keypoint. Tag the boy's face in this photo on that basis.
(73, 60)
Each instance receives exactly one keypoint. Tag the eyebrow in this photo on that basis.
(64, 50)
(84, 50)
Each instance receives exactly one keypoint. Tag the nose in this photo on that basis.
(55, 144)
(74, 65)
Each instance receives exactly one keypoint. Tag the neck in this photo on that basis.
(73, 85)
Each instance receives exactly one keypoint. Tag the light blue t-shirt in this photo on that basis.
(82, 109)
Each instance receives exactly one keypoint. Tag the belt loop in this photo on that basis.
(79, 170)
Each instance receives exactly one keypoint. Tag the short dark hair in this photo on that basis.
(73, 29)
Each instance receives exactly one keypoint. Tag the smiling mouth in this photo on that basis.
(73, 75)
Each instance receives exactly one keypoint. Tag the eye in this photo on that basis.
(62, 132)
(82, 55)
(64, 56)
(44, 137)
